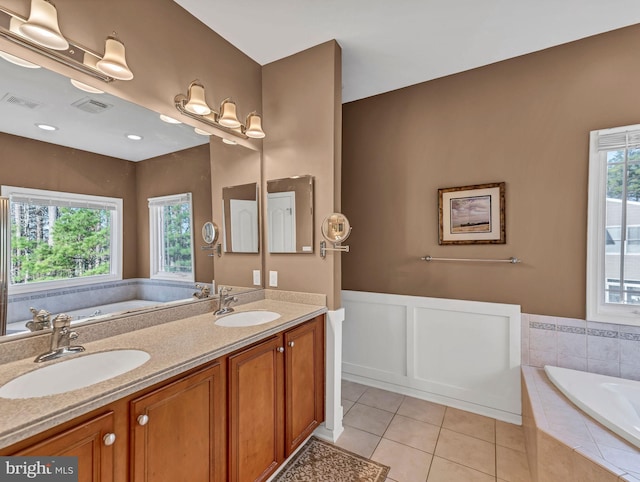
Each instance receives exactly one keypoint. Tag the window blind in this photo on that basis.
(61, 202)
(170, 200)
(619, 140)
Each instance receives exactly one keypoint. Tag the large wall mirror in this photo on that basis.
(290, 215)
(100, 145)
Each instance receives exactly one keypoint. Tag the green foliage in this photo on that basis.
(615, 175)
(177, 238)
(75, 243)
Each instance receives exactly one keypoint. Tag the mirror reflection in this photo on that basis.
(98, 145)
(240, 218)
(290, 215)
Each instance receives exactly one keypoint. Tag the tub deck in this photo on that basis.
(565, 444)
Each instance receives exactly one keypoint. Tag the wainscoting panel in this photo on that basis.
(465, 354)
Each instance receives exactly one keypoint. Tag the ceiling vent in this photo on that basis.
(12, 99)
(91, 106)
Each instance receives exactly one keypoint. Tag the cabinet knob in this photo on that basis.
(281, 349)
(143, 419)
(291, 344)
(109, 439)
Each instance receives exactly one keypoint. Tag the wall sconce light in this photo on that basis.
(335, 229)
(194, 105)
(40, 33)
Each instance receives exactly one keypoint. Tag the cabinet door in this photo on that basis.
(304, 369)
(256, 419)
(178, 430)
(87, 442)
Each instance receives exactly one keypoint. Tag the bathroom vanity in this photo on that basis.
(213, 403)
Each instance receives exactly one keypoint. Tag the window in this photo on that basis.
(62, 239)
(171, 237)
(613, 245)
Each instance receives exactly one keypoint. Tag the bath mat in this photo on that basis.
(320, 461)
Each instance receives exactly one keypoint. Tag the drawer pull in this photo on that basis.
(143, 419)
(281, 349)
(291, 344)
(109, 439)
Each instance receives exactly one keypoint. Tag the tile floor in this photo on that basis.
(424, 441)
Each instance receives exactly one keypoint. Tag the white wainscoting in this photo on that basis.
(464, 354)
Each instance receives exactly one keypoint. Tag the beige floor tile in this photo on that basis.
(422, 410)
(407, 464)
(382, 399)
(416, 434)
(358, 441)
(369, 419)
(470, 424)
(467, 450)
(346, 405)
(352, 391)
(443, 470)
(512, 465)
(510, 435)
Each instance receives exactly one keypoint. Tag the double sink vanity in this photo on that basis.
(199, 398)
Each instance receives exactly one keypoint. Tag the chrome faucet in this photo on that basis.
(41, 320)
(204, 292)
(224, 300)
(61, 337)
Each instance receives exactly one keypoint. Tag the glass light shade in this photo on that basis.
(114, 62)
(42, 26)
(254, 127)
(169, 120)
(87, 88)
(196, 103)
(18, 61)
(201, 132)
(228, 116)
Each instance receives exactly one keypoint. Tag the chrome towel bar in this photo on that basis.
(511, 260)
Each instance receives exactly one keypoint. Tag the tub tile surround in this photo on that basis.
(604, 348)
(565, 444)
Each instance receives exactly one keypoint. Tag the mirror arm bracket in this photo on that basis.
(336, 247)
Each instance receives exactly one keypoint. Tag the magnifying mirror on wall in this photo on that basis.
(335, 229)
(210, 232)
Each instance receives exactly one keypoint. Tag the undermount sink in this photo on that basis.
(73, 374)
(247, 318)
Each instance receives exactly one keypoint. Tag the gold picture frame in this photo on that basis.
(472, 214)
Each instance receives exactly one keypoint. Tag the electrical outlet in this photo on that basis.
(273, 278)
(256, 277)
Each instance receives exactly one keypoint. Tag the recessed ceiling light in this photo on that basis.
(201, 132)
(47, 127)
(231, 142)
(18, 61)
(169, 120)
(134, 137)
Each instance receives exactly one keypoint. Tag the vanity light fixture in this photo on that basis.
(231, 142)
(42, 26)
(18, 61)
(201, 132)
(41, 34)
(194, 105)
(169, 120)
(87, 88)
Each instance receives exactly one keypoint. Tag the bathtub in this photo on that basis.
(614, 402)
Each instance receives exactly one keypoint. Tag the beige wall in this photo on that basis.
(302, 110)
(526, 122)
(188, 170)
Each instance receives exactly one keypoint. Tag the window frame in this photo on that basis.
(155, 227)
(597, 308)
(115, 257)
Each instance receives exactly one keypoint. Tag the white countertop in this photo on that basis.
(175, 347)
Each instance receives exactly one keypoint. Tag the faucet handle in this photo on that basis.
(61, 321)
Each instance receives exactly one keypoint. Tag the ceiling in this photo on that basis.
(387, 45)
(96, 123)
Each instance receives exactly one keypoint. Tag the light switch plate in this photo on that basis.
(273, 278)
(256, 277)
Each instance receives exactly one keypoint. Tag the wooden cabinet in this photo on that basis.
(178, 430)
(92, 442)
(276, 399)
(304, 382)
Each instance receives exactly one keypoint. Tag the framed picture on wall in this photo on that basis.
(472, 214)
